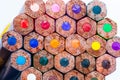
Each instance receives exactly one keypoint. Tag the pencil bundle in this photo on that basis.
(58, 41)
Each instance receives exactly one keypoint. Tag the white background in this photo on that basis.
(11, 8)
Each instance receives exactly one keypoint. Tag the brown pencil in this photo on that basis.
(65, 26)
(86, 27)
(34, 8)
(54, 43)
(106, 64)
(12, 41)
(23, 24)
(74, 75)
(85, 63)
(95, 76)
(96, 46)
(31, 74)
(75, 44)
(33, 42)
(43, 61)
(64, 62)
(44, 25)
(76, 9)
(55, 8)
(107, 28)
(52, 75)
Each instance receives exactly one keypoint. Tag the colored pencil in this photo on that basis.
(94, 76)
(31, 74)
(113, 46)
(54, 43)
(44, 25)
(107, 28)
(76, 9)
(86, 27)
(85, 63)
(34, 8)
(64, 62)
(106, 64)
(65, 26)
(43, 61)
(12, 41)
(74, 75)
(96, 10)
(33, 42)
(20, 60)
(75, 44)
(55, 8)
(23, 24)
(52, 75)
(96, 46)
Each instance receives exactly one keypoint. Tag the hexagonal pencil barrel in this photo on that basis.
(113, 46)
(76, 9)
(74, 75)
(33, 42)
(86, 27)
(52, 75)
(23, 24)
(43, 61)
(12, 41)
(31, 74)
(85, 63)
(34, 8)
(44, 25)
(96, 10)
(64, 62)
(107, 28)
(54, 43)
(94, 76)
(55, 8)
(106, 64)
(65, 26)
(96, 46)
(20, 60)
(75, 44)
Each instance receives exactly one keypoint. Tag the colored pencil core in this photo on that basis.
(12, 41)
(21, 60)
(76, 8)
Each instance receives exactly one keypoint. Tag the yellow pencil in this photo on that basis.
(5, 30)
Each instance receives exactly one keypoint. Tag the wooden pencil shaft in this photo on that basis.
(8, 72)
(4, 56)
